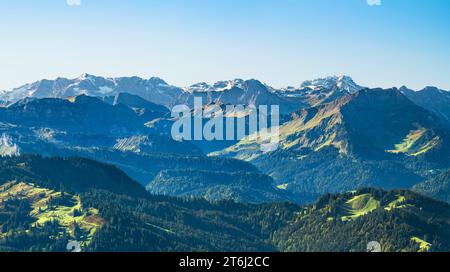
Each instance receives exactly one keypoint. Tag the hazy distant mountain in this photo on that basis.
(135, 102)
(432, 99)
(145, 109)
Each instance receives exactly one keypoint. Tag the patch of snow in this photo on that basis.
(105, 90)
(220, 86)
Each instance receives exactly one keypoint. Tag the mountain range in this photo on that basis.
(93, 159)
(373, 138)
(385, 137)
(156, 90)
(116, 130)
(238, 91)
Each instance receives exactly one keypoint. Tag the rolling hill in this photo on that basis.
(47, 202)
(438, 187)
(251, 187)
(40, 204)
(98, 206)
(400, 221)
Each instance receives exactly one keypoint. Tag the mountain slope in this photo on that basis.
(146, 110)
(162, 224)
(36, 218)
(114, 131)
(40, 204)
(47, 202)
(251, 187)
(389, 122)
(432, 99)
(375, 138)
(74, 175)
(120, 115)
(437, 187)
(368, 123)
(88, 127)
(398, 220)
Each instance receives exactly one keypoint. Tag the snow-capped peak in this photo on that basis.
(342, 83)
(158, 81)
(198, 87)
(219, 86)
(346, 83)
(85, 76)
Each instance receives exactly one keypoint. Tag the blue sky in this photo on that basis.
(280, 42)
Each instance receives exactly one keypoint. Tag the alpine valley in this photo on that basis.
(92, 159)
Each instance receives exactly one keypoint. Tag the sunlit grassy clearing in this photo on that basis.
(424, 245)
(359, 206)
(67, 215)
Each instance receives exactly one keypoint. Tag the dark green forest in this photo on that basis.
(134, 220)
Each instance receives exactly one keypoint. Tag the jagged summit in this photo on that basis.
(342, 83)
(238, 91)
(158, 80)
(219, 86)
(322, 90)
(85, 76)
(154, 89)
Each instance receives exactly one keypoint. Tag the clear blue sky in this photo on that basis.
(281, 42)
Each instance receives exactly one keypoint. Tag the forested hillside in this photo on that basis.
(99, 206)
